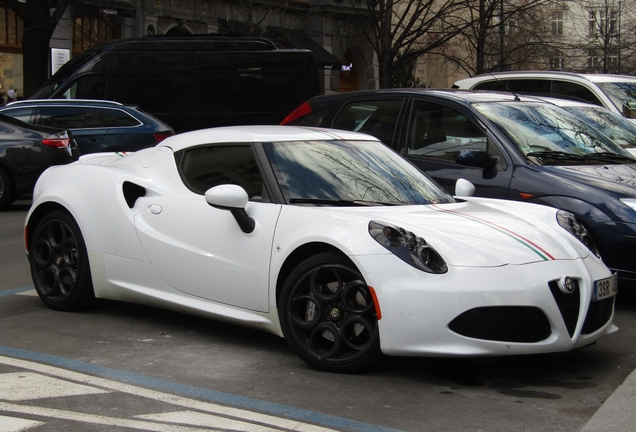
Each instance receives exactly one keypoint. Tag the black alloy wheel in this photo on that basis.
(59, 263)
(328, 315)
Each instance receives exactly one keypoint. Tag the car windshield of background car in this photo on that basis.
(619, 129)
(549, 135)
(622, 95)
(349, 173)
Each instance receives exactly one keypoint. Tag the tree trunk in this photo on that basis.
(35, 45)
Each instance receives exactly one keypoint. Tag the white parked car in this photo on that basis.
(614, 92)
(327, 238)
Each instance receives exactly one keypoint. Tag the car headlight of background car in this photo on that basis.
(408, 247)
(571, 224)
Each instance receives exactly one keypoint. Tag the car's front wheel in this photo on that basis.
(328, 315)
(59, 263)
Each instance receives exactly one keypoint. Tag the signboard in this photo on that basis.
(59, 56)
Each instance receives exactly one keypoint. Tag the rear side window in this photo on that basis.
(574, 91)
(22, 114)
(117, 118)
(203, 168)
(540, 86)
(62, 117)
(378, 118)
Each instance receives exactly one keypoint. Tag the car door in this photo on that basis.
(200, 250)
(437, 132)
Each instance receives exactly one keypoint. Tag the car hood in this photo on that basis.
(620, 179)
(486, 233)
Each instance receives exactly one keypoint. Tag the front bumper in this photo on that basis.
(418, 308)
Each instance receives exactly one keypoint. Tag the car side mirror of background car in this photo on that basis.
(475, 158)
(234, 199)
(629, 109)
(464, 188)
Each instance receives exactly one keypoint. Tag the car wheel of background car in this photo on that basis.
(59, 263)
(6, 188)
(328, 315)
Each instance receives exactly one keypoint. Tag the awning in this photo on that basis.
(110, 7)
(291, 38)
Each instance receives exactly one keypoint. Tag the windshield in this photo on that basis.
(349, 173)
(548, 135)
(619, 129)
(622, 95)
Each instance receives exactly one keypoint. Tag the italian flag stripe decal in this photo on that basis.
(524, 241)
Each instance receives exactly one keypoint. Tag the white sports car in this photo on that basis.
(327, 238)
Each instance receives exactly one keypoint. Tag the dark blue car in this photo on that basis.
(510, 147)
(96, 125)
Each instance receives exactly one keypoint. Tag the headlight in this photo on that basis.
(629, 202)
(571, 224)
(408, 247)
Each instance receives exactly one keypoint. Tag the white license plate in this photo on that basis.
(605, 288)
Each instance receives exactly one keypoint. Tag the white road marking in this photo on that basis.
(190, 404)
(199, 419)
(92, 418)
(18, 386)
(12, 424)
(30, 293)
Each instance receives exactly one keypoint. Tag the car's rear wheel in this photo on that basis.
(6, 188)
(328, 315)
(59, 263)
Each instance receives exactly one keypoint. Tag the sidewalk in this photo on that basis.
(618, 412)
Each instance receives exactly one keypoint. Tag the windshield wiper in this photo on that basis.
(610, 156)
(343, 203)
(555, 155)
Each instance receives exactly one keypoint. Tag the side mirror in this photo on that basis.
(234, 199)
(475, 158)
(464, 188)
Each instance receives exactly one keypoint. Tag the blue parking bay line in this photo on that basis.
(195, 392)
(16, 291)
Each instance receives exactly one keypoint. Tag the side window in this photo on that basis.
(574, 91)
(378, 118)
(441, 132)
(22, 114)
(205, 167)
(117, 118)
(61, 117)
(499, 85)
(87, 87)
(539, 86)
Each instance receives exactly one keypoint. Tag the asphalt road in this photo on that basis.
(121, 367)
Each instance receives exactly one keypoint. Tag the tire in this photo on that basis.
(6, 188)
(59, 263)
(328, 316)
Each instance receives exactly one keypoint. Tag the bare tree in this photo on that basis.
(400, 31)
(603, 40)
(40, 21)
(503, 35)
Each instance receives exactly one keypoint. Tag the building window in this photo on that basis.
(11, 28)
(599, 25)
(557, 23)
(594, 60)
(90, 30)
(557, 61)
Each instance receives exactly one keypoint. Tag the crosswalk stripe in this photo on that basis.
(12, 424)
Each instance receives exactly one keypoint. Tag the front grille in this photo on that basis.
(569, 305)
(598, 315)
(503, 323)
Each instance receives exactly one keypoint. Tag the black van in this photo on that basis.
(191, 82)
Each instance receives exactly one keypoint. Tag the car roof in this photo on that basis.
(66, 102)
(548, 75)
(249, 134)
(461, 96)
